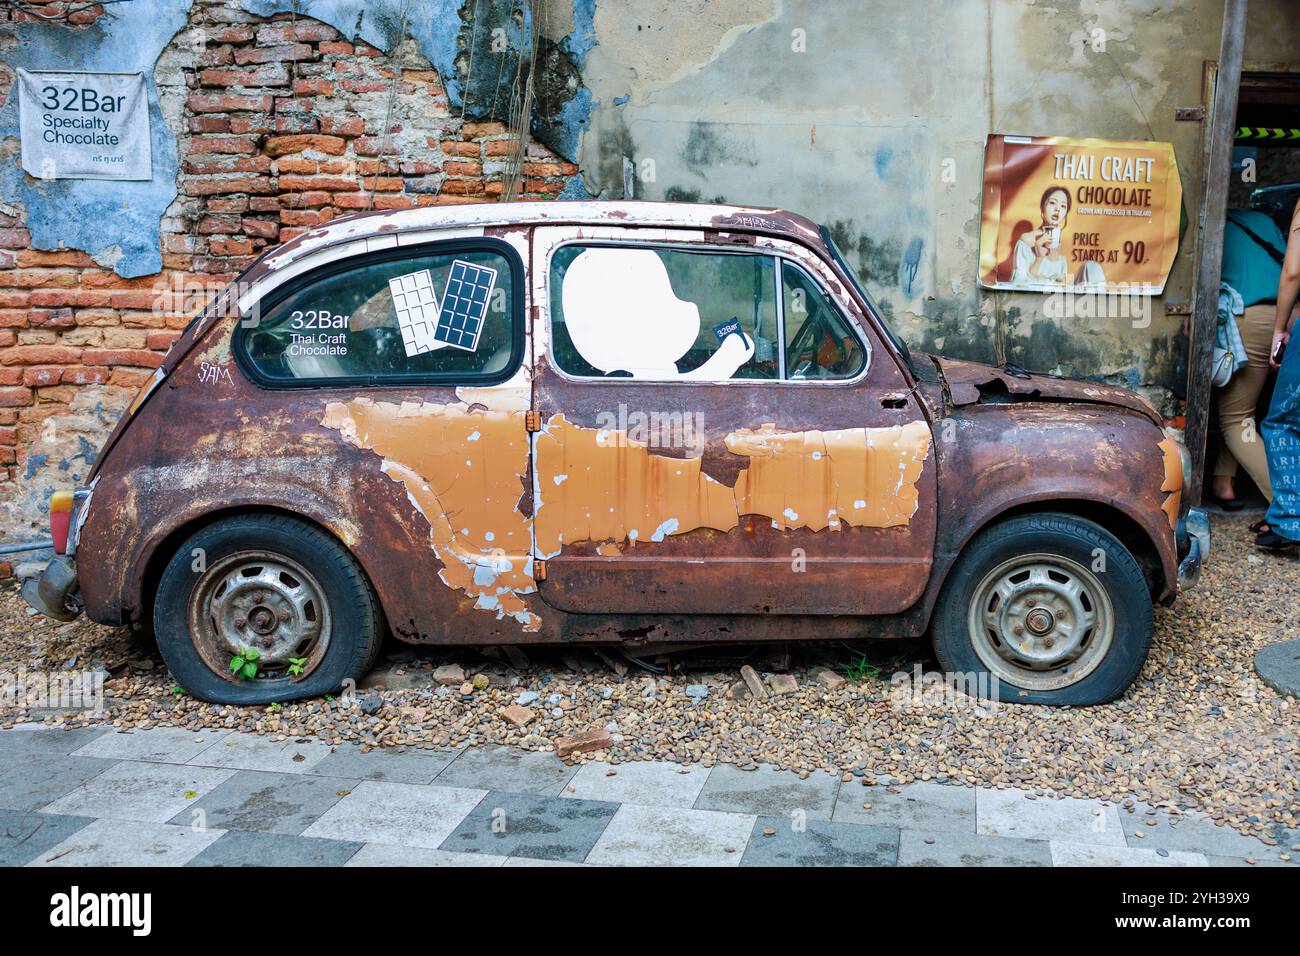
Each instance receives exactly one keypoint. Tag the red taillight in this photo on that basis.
(60, 516)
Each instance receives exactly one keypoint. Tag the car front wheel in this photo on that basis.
(260, 608)
(1047, 609)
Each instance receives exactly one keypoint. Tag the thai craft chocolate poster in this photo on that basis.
(1090, 214)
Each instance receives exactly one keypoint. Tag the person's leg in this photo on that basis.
(1240, 434)
(1225, 464)
(1225, 470)
(1281, 433)
(1238, 400)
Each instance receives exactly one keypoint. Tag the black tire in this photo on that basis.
(1075, 540)
(356, 624)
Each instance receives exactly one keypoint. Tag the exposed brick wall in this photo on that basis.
(70, 11)
(282, 124)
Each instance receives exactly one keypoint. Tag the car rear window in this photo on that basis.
(423, 313)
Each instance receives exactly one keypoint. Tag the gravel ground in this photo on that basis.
(1198, 730)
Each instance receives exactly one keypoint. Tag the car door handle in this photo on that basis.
(894, 400)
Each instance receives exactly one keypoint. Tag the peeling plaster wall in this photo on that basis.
(475, 50)
(116, 222)
(476, 45)
(712, 101)
(280, 124)
(848, 112)
(60, 455)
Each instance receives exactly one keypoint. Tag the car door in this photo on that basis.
(720, 429)
(401, 381)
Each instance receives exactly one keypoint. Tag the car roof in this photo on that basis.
(390, 223)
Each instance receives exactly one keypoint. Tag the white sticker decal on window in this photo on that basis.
(622, 315)
(416, 306)
(465, 304)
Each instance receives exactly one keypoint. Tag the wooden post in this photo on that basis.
(1214, 204)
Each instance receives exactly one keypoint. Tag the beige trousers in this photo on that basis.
(1237, 400)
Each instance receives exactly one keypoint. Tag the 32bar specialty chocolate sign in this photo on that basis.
(84, 125)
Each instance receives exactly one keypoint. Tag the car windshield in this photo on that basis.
(893, 336)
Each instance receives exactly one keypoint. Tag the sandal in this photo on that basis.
(1272, 541)
(1260, 526)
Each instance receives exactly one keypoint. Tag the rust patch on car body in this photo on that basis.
(970, 382)
(463, 467)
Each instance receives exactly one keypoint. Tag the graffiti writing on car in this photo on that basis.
(210, 374)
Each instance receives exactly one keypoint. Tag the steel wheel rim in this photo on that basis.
(1041, 622)
(261, 600)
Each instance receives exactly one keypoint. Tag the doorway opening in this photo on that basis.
(1263, 193)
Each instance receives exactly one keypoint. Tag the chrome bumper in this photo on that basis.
(49, 593)
(1194, 529)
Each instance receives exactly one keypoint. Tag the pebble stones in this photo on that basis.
(1199, 730)
(449, 674)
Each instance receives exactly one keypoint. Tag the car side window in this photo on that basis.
(663, 314)
(819, 344)
(408, 313)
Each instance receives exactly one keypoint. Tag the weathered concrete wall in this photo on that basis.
(272, 115)
(852, 112)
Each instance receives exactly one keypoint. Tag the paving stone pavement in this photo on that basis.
(169, 797)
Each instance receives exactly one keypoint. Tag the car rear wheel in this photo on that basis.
(255, 609)
(1047, 609)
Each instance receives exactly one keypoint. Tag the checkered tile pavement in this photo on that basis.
(171, 797)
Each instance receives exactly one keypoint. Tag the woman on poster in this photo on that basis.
(1039, 260)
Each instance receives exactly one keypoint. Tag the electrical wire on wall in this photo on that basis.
(521, 104)
(399, 67)
(37, 9)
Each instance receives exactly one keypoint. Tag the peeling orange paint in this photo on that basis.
(600, 485)
(865, 477)
(463, 469)
(463, 466)
(596, 484)
(1173, 481)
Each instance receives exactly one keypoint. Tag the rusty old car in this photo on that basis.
(610, 422)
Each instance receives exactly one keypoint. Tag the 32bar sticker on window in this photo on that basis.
(723, 329)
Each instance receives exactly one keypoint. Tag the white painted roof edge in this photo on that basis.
(372, 225)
